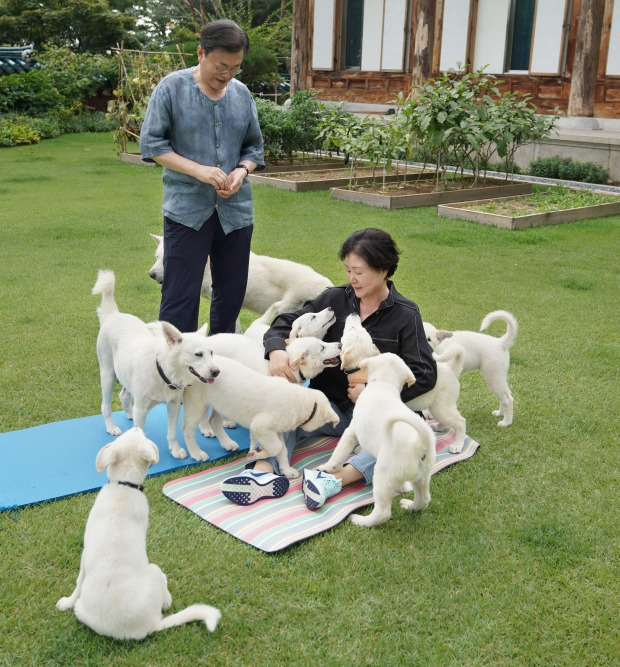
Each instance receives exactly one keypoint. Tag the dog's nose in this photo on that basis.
(215, 372)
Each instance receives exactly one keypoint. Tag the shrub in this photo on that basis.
(566, 168)
(16, 132)
(30, 93)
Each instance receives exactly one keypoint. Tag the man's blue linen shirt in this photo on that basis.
(182, 119)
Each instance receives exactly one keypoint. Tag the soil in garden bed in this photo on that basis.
(426, 186)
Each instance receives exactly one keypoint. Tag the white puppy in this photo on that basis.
(488, 354)
(151, 369)
(307, 357)
(119, 593)
(313, 325)
(401, 441)
(441, 400)
(269, 280)
(267, 406)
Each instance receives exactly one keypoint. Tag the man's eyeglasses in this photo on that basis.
(222, 69)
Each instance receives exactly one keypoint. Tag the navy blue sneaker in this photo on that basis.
(250, 486)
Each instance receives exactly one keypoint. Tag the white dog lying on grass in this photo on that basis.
(118, 592)
(401, 441)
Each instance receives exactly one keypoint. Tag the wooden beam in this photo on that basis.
(300, 45)
(583, 84)
(423, 44)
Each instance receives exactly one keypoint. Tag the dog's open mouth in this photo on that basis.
(334, 361)
(204, 380)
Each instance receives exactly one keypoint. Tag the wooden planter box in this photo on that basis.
(310, 164)
(135, 158)
(524, 221)
(408, 200)
(298, 182)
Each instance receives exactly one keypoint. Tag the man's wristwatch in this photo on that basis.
(242, 166)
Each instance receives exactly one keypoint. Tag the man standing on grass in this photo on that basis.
(201, 125)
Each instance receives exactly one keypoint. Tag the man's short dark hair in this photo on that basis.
(224, 34)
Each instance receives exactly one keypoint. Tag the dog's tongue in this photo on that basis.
(334, 361)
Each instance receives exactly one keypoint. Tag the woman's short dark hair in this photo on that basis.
(224, 34)
(376, 247)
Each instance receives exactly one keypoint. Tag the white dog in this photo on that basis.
(307, 357)
(118, 592)
(151, 369)
(269, 280)
(307, 325)
(267, 406)
(401, 441)
(488, 354)
(441, 400)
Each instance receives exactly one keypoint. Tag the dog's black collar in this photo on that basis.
(160, 370)
(301, 376)
(348, 371)
(311, 414)
(131, 484)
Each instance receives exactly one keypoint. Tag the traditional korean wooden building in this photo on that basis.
(565, 53)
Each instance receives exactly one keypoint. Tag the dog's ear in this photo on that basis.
(442, 335)
(149, 451)
(296, 362)
(105, 457)
(288, 340)
(157, 239)
(203, 329)
(172, 335)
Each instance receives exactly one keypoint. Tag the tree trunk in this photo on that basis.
(424, 40)
(300, 46)
(585, 65)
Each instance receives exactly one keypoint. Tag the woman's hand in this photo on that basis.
(354, 391)
(213, 176)
(279, 366)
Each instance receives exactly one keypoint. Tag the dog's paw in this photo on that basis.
(290, 473)
(199, 455)
(178, 452)
(64, 604)
(406, 487)
(113, 430)
(362, 521)
(207, 431)
(231, 446)
(326, 467)
(229, 424)
(455, 448)
(505, 422)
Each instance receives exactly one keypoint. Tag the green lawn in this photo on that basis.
(516, 560)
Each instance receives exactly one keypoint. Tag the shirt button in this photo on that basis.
(217, 125)
(217, 145)
(218, 165)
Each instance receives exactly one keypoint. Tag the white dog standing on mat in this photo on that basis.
(118, 592)
(401, 441)
(488, 354)
(151, 369)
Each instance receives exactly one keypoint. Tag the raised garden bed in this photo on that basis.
(529, 211)
(424, 193)
(319, 179)
(135, 158)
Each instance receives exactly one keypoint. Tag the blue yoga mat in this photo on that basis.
(57, 460)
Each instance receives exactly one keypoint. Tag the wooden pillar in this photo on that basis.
(300, 45)
(424, 39)
(585, 65)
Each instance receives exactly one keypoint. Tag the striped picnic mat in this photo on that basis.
(274, 524)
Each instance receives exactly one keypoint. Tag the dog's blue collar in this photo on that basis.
(160, 370)
(131, 484)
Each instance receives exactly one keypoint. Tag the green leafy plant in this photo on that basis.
(568, 169)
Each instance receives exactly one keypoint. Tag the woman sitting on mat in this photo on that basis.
(370, 258)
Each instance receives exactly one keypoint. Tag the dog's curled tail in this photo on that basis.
(511, 326)
(419, 425)
(454, 355)
(105, 287)
(196, 612)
